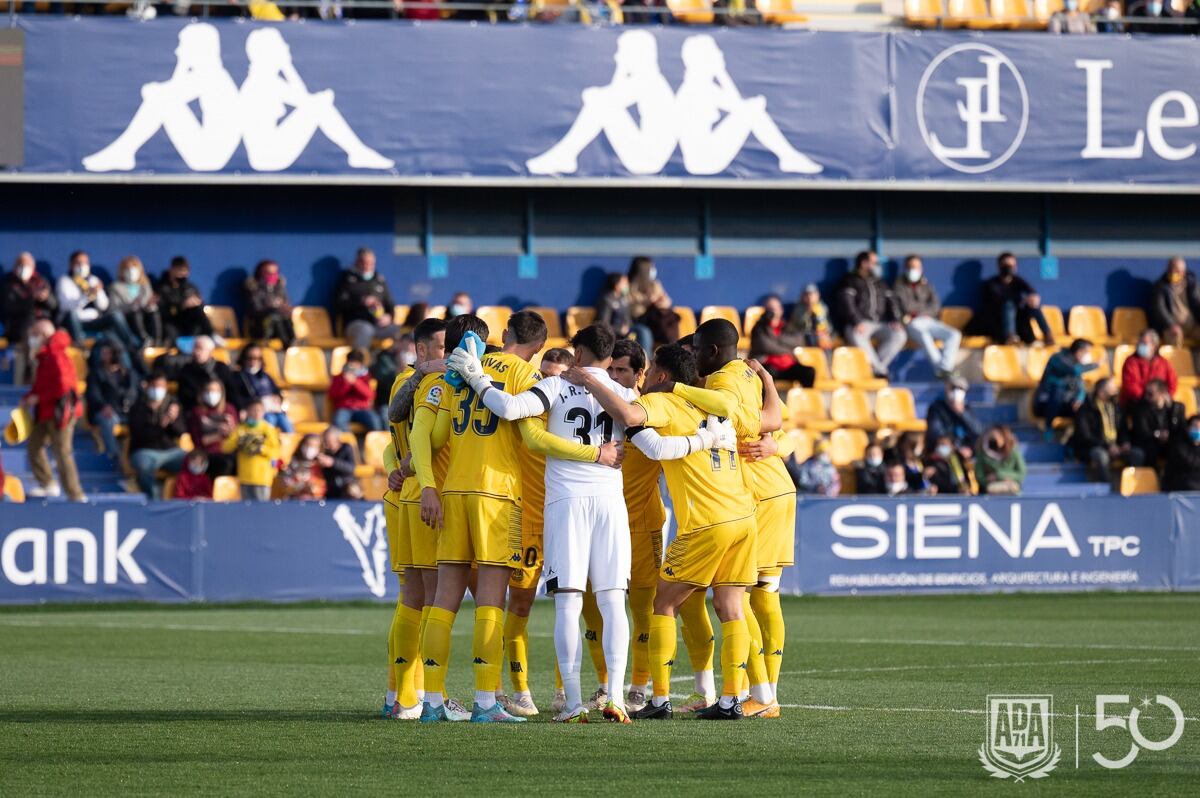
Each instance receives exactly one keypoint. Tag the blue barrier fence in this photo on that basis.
(294, 551)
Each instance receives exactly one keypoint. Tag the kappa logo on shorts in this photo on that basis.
(479, 661)
(669, 571)
(369, 541)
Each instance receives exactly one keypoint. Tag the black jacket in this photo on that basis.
(193, 377)
(964, 429)
(172, 294)
(864, 299)
(1159, 311)
(917, 299)
(115, 389)
(870, 479)
(1183, 462)
(946, 478)
(614, 310)
(988, 318)
(340, 475)
(1145, 419)
(146, 430)
(20, 308)
(352, 291)
(263, 300)
(1089, 428)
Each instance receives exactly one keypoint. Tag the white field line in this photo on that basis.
(184, 627)
(956, 666)
(930, 710)
(868, 641)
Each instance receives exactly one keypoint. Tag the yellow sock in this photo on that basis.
(487, 648)
(593, 633)
(558, 685)
(663, 643)
(641, 607)
(516, 644)
(756, 669)
(419, 671)
(697, 631)
(770, 617)
(735, 645)
(435, 648)
(393, 635)
(408, 652)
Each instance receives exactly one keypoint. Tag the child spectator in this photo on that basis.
(353, 395)
(303, 477)
(337, 466)
(193, 482)
(999, 466)
(817, 475)
(256, 444)
(870, 476)
(268, 309)
(251, 381)
(1142, 367)
(811, 319)
(1183, 457)
(946, 469)
(132, 296)
(210, 423)
(181, 302)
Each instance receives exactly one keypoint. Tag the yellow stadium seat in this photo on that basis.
(687, 321)
(579, 317)
(79, 361)
(168, 488)
(1054, 318)
(14, 490)
(895, 408)
(496, 317)
(730, 314)
(1088, 321)
(226, 489)
(288, 443)
(1185, 367)
(802, 444)
(1036, 359)
(849, 407)
(1187, 398)
(1015, 14)
(1002, 365)
(923, 13)
(1128, 324)
(435, 312)
(337, 360)
(399, 314)
(806, 409)
(222, 356)
(373, 445)
(1135, 481)
(851, 367)
(698, 11)
(959, 317)
(151, 354)
(1120, 355)
(554, 330)
(302, 410)
(969, 14)
(304, 367)
(223, 320)
(847, 445)
(814, 357)
(374, 486)
(1044, 9)
(271, 366)
(753, 314)
(780, 12)
(313, 327)
(1100, 358)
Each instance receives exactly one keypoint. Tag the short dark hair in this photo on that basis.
(909, 259)
(677, 362)
(1158, 385)
(252, 401)
(612, 280)
(718, 332)
(863, 257)
(427, 329)
(558, 355)
(687, 341)
(632, 350)
(179, 260)
(459, 326)
(597, 339)
(638, 265)
(1080, 345)
(1003, 256)
(356, 356)
(75, 254)
(527, 327)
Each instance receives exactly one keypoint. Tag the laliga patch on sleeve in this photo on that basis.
(434, 396)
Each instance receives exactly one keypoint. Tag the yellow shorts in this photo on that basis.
(411, 542)
(526, 573)
(479, 529)
(647, 557)
(394, 520)
(715, 556)
(776, 519)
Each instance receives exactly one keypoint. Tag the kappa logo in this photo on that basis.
(430, 663)
(1020, 737)
(369, 541)
(479, 661)
(973, 94)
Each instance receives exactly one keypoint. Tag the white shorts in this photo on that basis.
(587, 539)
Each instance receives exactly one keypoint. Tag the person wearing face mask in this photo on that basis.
(870, 476)
(209, 423)
(896, 482)
(810, 319)
(615, 309)
(54, 404)
(1071, 20)
(950, 416)
(817, 475)
(1154, 12)
(1144, 365)
(303, 478)
(919, 308)
(202, 368)
(363, 302)
(84, 307)
(155, 425)
(1061, 390)
(1152, 422)
(268, 309)
(1174, 309)
(256, 444)
(1183, 458)
(909, 452)
(337, 462)
(26, 298)
(133, 297)
(181, 302)
(999, 464)
(1109, 18)
(251, 381)
(867, 310)
(773, 344)
(193, 482)
(1101, 435)
(650, 304)
(112, 388)
(353, 395)
(948, 472)
(1009, 307)
(460, 305)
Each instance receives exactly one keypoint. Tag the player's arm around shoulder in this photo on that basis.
(627, 414)
(543, 442)
(529, 403)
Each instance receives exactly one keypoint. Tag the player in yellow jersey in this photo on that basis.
(716, 540)
(478, 511)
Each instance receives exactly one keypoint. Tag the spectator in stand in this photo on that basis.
(1109, 18)
(870, 476)
(155, 424)
(417, 312)
(337, 466)
(193, 482)
(817, 475)
(83, 305)
(896, 481)
(773, 344)
(1101, 436)
(132, 295)
(181, 302)
(1183, 458)
(256, 444)
(251, 381)
(268, 309)
(425, 9)
(210, 423)
(27, 298)
(810, 318)
(1152, 422)
(1070, 19)
(1061, 391)
(1144, 365)
(1154, 11)
(363, 302)
(909, 452)
(201, 369)
(615, 309)
(867, 310)
(650, 304)
(919, 309)
(947, 471)
(112, 388)
(1175, 304)
(461, 304)
(388, 364)
(53, 402)
(353, 395)
(303, 478)
(1009, 307)
(999, 465)
(949, 416)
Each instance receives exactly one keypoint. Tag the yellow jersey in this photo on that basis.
(533, 488)
(707, 487)
(485, 450)
(428, 397)
(400, 431)
(642, 499)
(257, 450)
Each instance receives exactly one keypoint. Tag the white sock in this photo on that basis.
(615, 640)
(434, 700)
(743, 695)
(762, 693)
(391, 698)
(726, 701)
(486, 699)
(705, 685)
(420, 696)
(658, 700)
(568, 643)
(645, 688)
(775, 690)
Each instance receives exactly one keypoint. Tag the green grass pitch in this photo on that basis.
(883, 696)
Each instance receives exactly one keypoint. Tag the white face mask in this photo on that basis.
(958, 396)
(310, 452)
(824, 459)
(874, 462)
(896, 487)
(408, 358)
(653, 273)
(914, 275)
(1154, 9)
(254, 368)
(1085, 358)
(25, 272)
(458, 309)
(156, 394)
(133, 275)
(212, 398)
(82, 269)
(197, 468)
(944, 452)
(34, 342)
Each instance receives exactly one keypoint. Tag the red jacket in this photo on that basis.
(54, 382)
(1137, 372)
(193, 486)
(356, 395)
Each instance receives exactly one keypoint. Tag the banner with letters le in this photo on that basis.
(409, 103)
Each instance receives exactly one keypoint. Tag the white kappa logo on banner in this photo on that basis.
(1020, 737)
(989, 124)
(369, 542)
(708, 118)
(273, 113)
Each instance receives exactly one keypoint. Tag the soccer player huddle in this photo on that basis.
(500, 475)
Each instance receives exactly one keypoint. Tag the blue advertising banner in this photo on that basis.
(411, 103)
(1185, 535)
